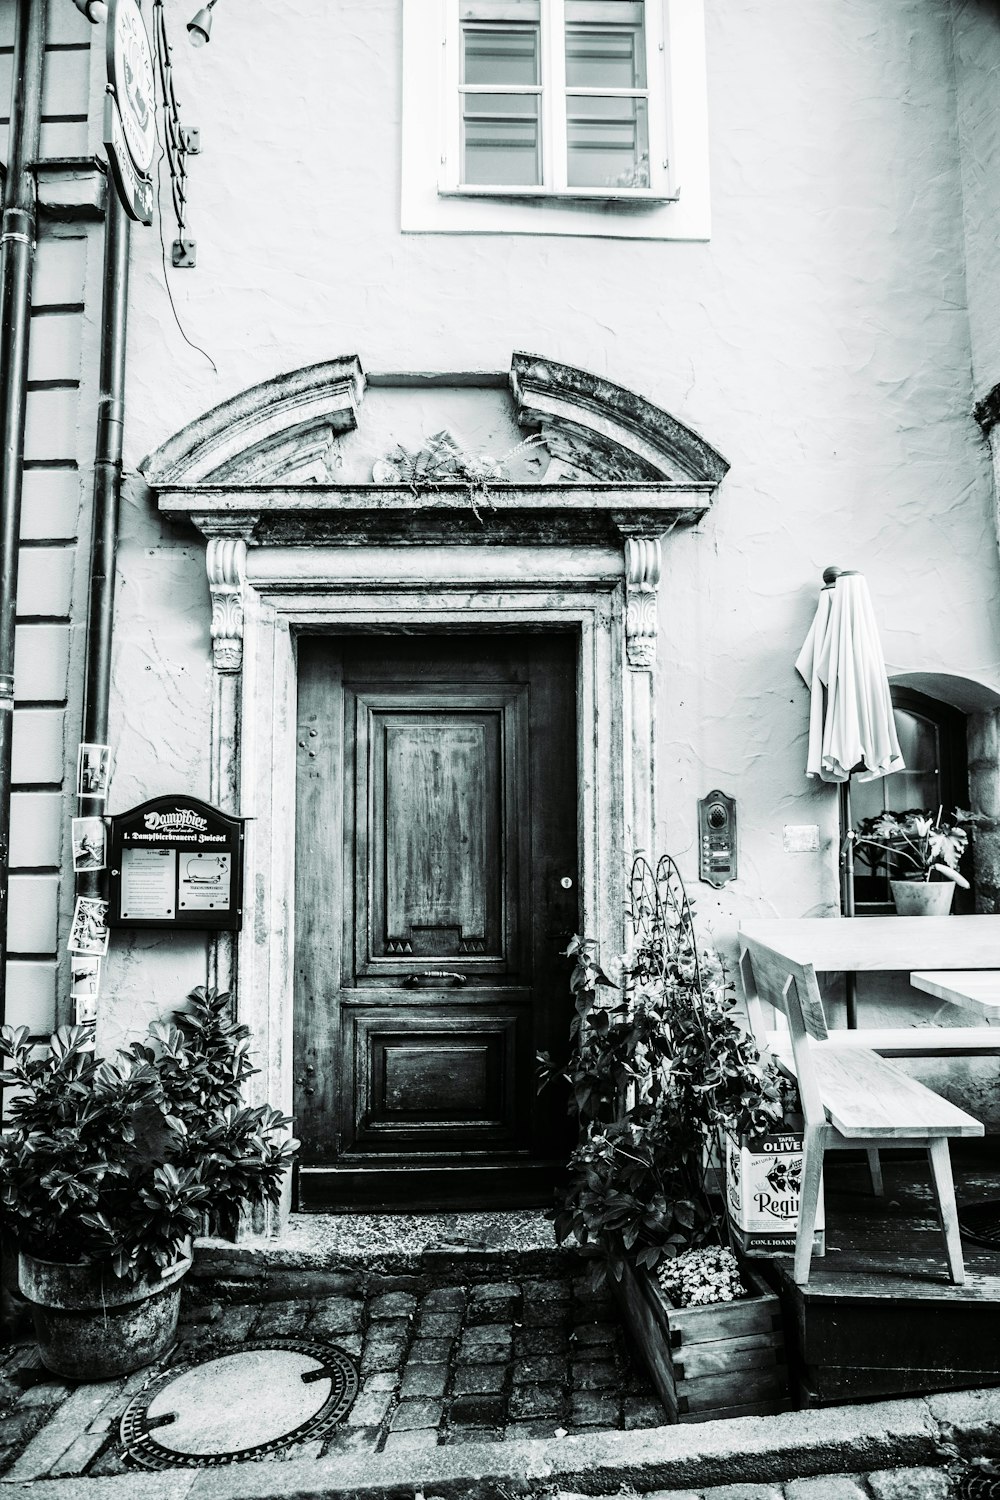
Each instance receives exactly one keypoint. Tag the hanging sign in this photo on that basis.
(130, 109)
(176, 862)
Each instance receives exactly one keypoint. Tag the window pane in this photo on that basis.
(608, 141)
(500, 140)
(500, 55)
(918, 742)
(605, 53)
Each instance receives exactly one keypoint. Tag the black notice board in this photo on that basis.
(176, 862)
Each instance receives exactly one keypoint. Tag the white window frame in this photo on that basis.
(674, 206)
(553, 93)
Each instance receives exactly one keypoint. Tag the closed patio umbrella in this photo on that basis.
(852, 729)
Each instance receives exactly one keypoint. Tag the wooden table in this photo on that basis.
(973, 989)
(929, 949)
(881, 943)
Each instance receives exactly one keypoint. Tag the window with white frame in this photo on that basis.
(556, 96)
(555, 116)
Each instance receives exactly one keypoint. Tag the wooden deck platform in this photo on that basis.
(879, 1317)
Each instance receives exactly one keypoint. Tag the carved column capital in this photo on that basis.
(225, 562)
(643, 560)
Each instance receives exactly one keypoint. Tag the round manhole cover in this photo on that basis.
(242, 1404)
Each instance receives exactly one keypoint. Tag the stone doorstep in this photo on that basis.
(793, 1445)
(443, 1265)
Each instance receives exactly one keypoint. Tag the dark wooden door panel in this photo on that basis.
(435, 885)
(439, 784)
(436, 1080)
(439, 796)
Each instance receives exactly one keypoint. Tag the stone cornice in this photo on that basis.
(314, 514)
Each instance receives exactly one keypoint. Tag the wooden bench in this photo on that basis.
(851, 1097)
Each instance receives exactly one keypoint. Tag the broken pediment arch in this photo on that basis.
(330, 424)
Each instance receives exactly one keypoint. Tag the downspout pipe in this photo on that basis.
(107, 501)
(17, 247)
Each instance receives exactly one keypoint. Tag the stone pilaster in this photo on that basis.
(643, 561)
(225, 563)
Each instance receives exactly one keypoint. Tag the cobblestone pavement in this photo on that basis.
(442, 1365)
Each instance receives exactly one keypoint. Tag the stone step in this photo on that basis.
(438, 1249)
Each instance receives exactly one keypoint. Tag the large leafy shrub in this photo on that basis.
(657, 1076)
(119, 1160)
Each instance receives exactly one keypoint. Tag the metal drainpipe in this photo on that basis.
(17, 239)
(107, 495)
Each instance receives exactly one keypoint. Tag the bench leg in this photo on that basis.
(875, 1172)
(944, 1188)
(812, 1179)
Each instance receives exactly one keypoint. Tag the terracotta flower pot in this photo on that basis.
(923, 898)
(91, 1326)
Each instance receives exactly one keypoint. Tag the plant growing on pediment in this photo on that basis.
(442, 461)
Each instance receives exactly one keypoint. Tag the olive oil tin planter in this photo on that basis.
(91, 1326)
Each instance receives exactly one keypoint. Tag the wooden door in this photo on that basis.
(436, 883)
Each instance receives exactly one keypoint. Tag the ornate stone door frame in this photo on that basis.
(290, 551)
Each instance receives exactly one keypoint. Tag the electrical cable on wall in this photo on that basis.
(176, 143)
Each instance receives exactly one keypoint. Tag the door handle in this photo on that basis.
(413, 980)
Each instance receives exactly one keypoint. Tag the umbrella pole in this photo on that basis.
(847, 893)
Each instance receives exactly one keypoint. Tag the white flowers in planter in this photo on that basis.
(696, 1278)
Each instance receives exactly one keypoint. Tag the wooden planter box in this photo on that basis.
(725, 1360)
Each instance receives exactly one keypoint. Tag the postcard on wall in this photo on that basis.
(84, 976)
(85, 1010)
(85, 985)
(93, 770)
(89, 932)
(88, 844)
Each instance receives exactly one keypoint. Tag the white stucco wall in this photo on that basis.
(820, 340)
(977, 74)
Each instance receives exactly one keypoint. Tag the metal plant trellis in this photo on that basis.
(731, 1086)
(665, 946)
(659, 906)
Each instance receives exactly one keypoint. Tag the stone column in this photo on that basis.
(984, 728)
(643, 562)
(984, 798)
(226, 565)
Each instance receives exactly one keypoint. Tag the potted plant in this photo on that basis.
(110, 1168)
(920, 852)
(658, 1077)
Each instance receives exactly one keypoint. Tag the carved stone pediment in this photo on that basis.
(285, 463)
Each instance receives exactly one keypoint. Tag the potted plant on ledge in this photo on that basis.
(111, 1167)
(922, 852)
(658, 1076)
